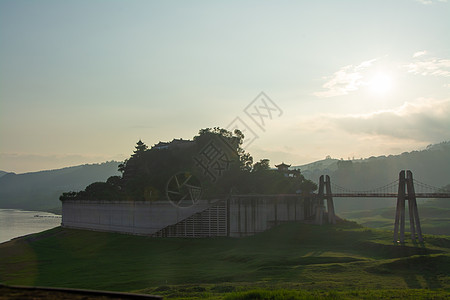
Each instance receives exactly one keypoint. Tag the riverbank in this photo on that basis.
(16, 223)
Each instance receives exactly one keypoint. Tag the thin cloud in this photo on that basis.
(428, 66)
(348, 79)
(425, 120)
(419, 53)
(428, 2)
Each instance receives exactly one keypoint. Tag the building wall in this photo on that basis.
(211, 222)
(249, 215)
(239, 216)
(136, 217)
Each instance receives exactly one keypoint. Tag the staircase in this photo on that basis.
(207, 223)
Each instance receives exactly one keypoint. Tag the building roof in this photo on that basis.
(282, 165)
(161, 145)
(174, 142)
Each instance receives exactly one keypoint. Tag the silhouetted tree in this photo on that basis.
(114, 181)
(121, 167)
(262, 165)
(146, 173)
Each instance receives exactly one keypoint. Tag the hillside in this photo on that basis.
(429, 166)
(344, 260)
(41, 190)
(3, 173)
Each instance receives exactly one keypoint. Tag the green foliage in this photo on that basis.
(109, 190)
(114, 181)
(68, 195)
(121, 167)
(146, 173)
(262, 165)
(231, 140)
(246, 161)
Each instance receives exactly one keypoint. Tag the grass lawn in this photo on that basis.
(434, 220)
(291, 261)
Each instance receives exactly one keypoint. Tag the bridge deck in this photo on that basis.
(389, 195)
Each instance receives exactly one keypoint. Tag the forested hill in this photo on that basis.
(3, 173)
(430, 166)
(41, 190)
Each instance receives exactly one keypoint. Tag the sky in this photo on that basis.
(82, 81)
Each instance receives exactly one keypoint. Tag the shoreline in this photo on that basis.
(17, 223)
(55, 211)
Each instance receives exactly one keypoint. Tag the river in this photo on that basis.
(15, 223)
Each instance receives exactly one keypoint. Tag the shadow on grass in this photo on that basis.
(430, 267)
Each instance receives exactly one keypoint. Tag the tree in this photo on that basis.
(246, 162)
(234, 141)
(262, 165)
(114, 181)
(121, 167)
(146, 173)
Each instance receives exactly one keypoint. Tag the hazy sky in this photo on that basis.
(82, 81)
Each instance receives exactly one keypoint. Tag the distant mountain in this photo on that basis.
(430, 166)
(326, 165)
(41, 190)
(4, 173)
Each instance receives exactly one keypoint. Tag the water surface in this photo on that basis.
(15, 223)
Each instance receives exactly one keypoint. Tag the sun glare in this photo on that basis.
(381, 83)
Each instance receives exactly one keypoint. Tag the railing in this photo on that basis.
(389, 195)
(390, 190)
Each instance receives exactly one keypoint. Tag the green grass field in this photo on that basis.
(434, 220)
(291, 261)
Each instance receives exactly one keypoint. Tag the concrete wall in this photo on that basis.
(136, 217)
(211, 222)
(249, 215)
(239, 216)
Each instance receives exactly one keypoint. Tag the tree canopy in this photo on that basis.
(215, 157)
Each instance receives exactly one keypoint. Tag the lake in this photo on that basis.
(15, 223)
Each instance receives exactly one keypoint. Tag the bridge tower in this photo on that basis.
(324, 194)
(406, 192)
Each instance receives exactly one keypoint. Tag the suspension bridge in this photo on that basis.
(404, 189)
(422, 190)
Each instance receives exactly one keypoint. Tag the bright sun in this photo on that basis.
(381, 83)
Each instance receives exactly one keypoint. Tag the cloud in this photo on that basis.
(424, 120)
(428, 66)
(356, 76)
(428, 2)
(348, 79)
(419, 53)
